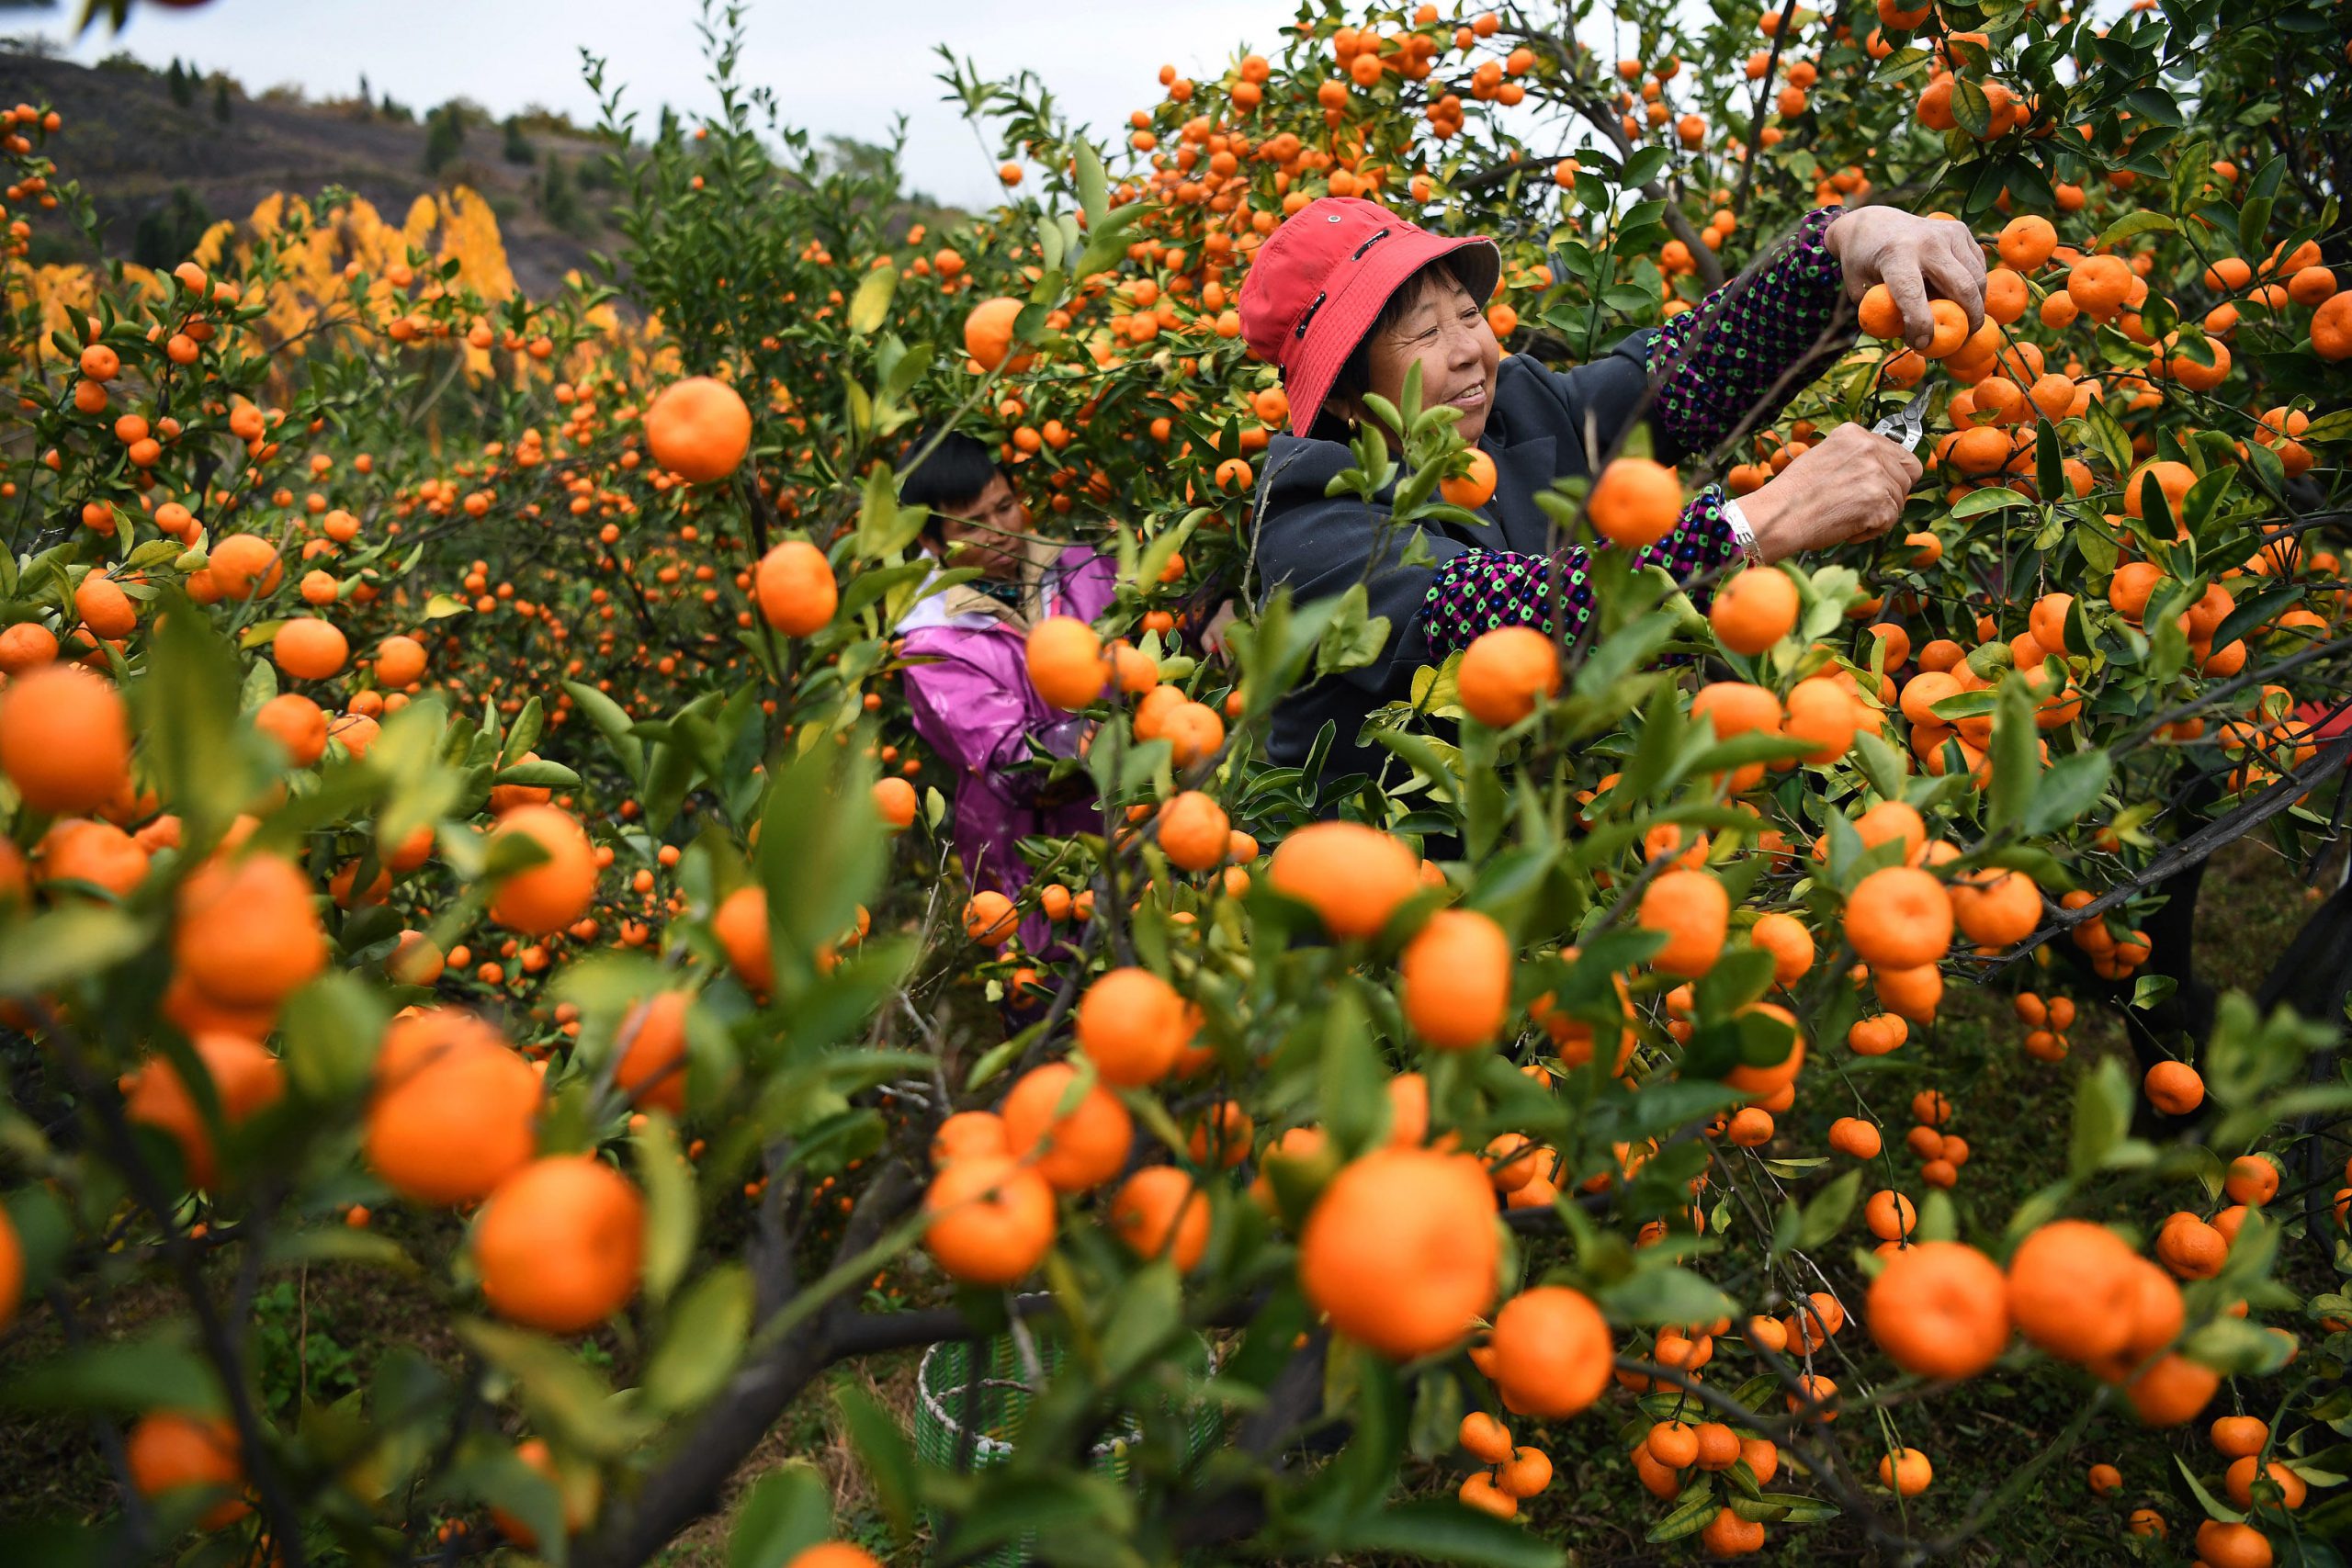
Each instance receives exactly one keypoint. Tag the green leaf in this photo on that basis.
(888, 1458)
(1144, 1313)
(2102, 1112)
(1668, 1293)
(1827, 1211)
(1645, 164)
(1977, 503)
(2140, 221)
(822, 854)
(2214, 1507)
(1094, 188)
(76, 942)
(703, 1342)
(208, 762)
(1692, 1515)
(558, 1388)
(612, 724)
(2016, 761)
(331, 1029)
(539, 773)
(441, 606)
(785, 1513)
(1443, 1531)
(126, 1376)
(2067, 788)
(670, 1207)
(872, 300)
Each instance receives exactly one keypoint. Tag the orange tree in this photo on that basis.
(461, 821)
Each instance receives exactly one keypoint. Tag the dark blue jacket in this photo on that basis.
(1320, 545)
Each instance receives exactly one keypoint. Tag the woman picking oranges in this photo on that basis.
(966, 680)
(1347, 297)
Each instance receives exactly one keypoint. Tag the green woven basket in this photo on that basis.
(1004, 1394)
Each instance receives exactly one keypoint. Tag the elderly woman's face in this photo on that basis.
(1445, 333)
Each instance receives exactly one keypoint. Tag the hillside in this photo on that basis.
(130, 145)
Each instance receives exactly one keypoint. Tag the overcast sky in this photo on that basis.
(838, 66)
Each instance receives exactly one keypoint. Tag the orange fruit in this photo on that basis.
(1755, 609)
(2097, 284)
(1880, 317)
(2332, 327)
(2189, 1248)
(1473, 487)
(991, 1219)
(245, 1080)
(12, 1270)
(104, 607)
(1352, 875)
(2224, 1544)
(966, 1134)
(1694, 910)
(1194, 831)
(1505, 672)
(2073, 1289)
(1066, 662)
(1552, 1351)
(1635, 502)
(1728, 1535)
(64, 739)
(246, 933)
(1899, 918)
(1940, 1310)
(1400, 1250)
(1133, 1025)
(1527, 1473)
(740, 924)
(244, 565)
(2172, 1390)
(1824, 713)
(455, 1110)
(834, 1554)
(988, 331)
(543, 898)
(895, 800)
(1763, 1082)
(1456, 972)
(653, 1068)
(698, 429)
(2173, 479)
(2236, 1437)
(399, 662)
(1075, 1149)
(1906, 1475)
(1791, 945)
(2253, 1180)
(2174, 1088)
(297, 723)
(1852, 1135)
(169, 1450)
(795, 589)
(1161, 1210)
(989, 919)
(561, 1243)
(578, 1487)
(310, 648)
(2238, 1483)
(2027, 241)
(1486, 1437)
(1995, 909)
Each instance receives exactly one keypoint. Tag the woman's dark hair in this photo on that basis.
(957, 469)
(1354, 378)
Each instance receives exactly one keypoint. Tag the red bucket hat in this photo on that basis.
(1319, 280)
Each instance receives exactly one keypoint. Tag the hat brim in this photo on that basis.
(1343, 319)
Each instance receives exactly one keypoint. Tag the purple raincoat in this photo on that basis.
(975, 707)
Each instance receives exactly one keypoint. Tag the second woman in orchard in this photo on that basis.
(1346, 297)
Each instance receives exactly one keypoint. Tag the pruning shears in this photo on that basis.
(1909, 422)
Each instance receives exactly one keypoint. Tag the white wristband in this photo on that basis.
(1742, 534)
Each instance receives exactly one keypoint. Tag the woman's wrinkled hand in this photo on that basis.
(1917, 258)
(1850, 485)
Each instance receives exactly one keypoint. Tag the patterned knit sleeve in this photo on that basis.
(1723, 357)
(1478, 591)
